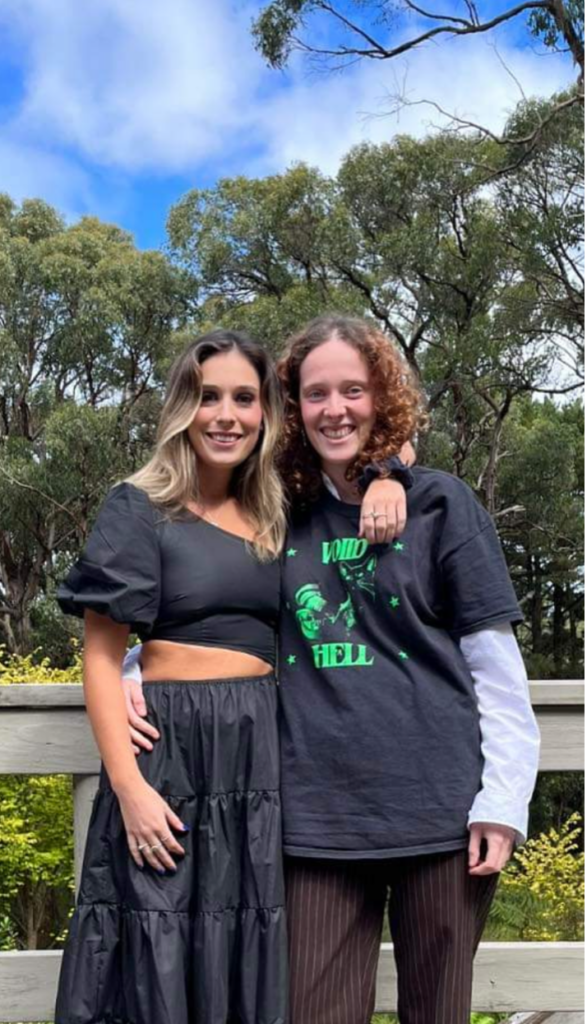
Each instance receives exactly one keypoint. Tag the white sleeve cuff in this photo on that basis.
(493, 809)
(131, 666)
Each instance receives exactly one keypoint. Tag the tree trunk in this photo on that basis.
(31, 932)
(535, 572)
(558, 629)
(567, 30)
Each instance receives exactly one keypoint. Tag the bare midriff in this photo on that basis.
(164, 659)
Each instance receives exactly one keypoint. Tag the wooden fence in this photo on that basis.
(44, 730)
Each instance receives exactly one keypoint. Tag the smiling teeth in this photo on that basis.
(340, 432)
(225, 437)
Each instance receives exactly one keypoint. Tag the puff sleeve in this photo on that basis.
(118, 573)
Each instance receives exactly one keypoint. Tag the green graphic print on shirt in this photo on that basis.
(356, 566)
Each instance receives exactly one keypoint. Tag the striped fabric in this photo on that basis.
(335, 916)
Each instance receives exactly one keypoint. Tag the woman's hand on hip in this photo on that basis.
(136, 710)
(149, 821)
(499, 841)
(383, 511)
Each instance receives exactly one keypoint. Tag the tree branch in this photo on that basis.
(41, 494)
(472, 27)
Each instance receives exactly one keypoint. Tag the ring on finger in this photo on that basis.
(165, 837)
(380, 515)
(143, 846)
(368, 515)
(155, 846)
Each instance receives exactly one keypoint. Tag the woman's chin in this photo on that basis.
(339, 458)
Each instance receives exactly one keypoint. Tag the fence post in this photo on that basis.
(84, 791)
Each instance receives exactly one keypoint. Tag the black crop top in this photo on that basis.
(182, 579)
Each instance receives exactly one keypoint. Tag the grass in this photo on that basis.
(476, 1018)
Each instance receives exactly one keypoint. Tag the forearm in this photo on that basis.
(104, 646)
(510, 740)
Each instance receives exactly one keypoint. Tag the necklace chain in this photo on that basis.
(205, 514)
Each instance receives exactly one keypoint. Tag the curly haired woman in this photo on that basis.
(408, 744)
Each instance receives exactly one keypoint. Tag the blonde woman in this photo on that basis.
(180, 913)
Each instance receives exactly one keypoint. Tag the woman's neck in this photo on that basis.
(347, 489)
(213, 485)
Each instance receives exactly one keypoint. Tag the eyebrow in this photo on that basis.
(343, 383)
(237, 387)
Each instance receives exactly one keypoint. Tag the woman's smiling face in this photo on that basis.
(336, 402)
(226, 427)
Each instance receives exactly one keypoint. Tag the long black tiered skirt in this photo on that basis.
(205, 944)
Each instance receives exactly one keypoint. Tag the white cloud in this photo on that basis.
(28, 170)
(136, 86)
(170, 87)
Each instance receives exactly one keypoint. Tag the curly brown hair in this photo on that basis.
(400, 406)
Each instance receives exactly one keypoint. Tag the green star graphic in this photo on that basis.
(291, 552)
(403, 655)
(394, 602)
(291, 660)
(398, 546)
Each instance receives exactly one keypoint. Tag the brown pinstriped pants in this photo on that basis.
(335, 916)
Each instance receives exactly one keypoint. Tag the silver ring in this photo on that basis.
(165, 837)
(368, 515)
(380, 515)
(142, 846)
(156, 846)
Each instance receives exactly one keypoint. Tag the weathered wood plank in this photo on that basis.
(36, 695)
(547, 1018)
(42, 695)
(44, 740)
(28, 985)
(557, 691)
(534, 976)
(562, 739)
(84, 791)
(509, 977)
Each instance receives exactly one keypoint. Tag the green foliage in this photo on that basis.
(36, 858)
(476, 1018)
(8, 933)
(86, 320)
(36, 668)
(274, 28)
(556, 797)
(543, 25)
(541, 894)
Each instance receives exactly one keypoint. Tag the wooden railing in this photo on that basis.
(44, 730)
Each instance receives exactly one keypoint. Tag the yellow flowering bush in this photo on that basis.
(30, 668)
(545, 883)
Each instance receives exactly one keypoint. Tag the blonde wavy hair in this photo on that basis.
(170, 477)
(400, 407)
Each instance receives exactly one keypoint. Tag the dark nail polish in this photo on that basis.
(186, 828)
(161, 871)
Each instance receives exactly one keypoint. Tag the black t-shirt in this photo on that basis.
(380, 733)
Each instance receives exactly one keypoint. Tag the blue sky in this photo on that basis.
(118, 107)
